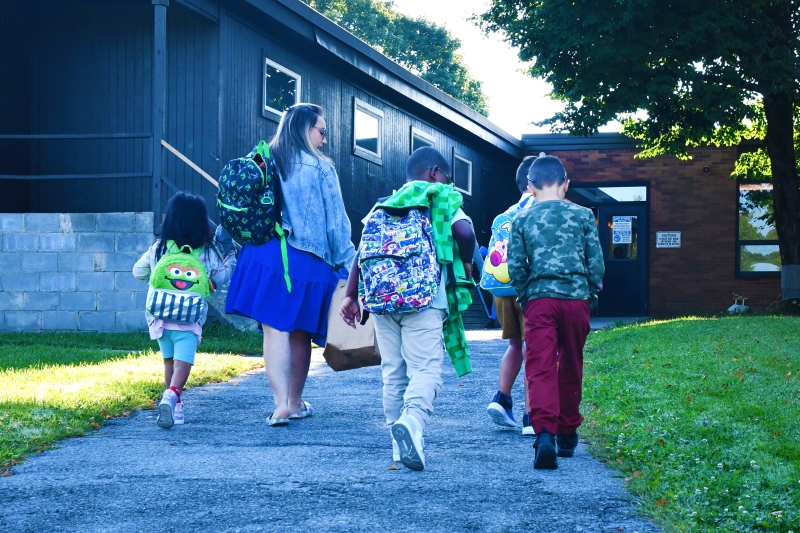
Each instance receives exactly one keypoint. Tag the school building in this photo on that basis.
(679, 237)
(108, 107)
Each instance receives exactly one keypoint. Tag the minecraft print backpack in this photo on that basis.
(399, 272)
(180, 286)
(495, 278)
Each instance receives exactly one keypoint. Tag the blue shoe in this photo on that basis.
(527, 429)
(501, 410)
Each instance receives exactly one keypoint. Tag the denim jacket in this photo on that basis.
(313, 212)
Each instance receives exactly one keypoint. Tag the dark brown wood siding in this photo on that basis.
(15, 106)
(243, 49)
(92, 75)
(192, 125)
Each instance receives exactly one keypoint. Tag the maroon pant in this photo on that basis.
(555, 333)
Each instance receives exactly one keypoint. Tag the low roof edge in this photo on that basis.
(550, 142)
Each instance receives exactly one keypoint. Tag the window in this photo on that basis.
(757, 252)
(419, 139)
(367, 131)
(462, 173)
(281, 89)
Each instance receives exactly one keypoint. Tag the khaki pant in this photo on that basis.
(412, 346)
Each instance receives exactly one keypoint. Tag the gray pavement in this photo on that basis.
(225, 470)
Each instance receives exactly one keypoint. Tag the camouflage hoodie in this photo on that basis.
(554, 252)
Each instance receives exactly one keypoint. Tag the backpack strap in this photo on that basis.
(284, 256)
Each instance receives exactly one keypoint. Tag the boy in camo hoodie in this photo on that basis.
(556, 265)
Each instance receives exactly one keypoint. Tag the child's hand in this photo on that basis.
(350, 311)
(211, 286)
(468, 270)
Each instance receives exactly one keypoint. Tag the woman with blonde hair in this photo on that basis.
(293, 313)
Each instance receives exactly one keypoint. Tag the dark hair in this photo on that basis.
(292, 136)
(422, 159)
(185, 222)
(522, 173)
(547, 171)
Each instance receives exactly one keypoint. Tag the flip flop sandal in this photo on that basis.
(305, 411)
(277, 422)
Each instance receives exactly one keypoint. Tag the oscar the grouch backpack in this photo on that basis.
(180, 286)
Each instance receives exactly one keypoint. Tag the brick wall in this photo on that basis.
(699, 277)
(72, 271)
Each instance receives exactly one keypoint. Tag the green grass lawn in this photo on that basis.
(702, 417)
(58, 385)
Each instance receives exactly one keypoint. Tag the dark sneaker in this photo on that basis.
(566, 444)
(527, 429)
(502, 410)
(544, 455)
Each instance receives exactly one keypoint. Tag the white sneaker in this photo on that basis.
(177, 414)
(395, 451)
(409, 441)
(166, 409)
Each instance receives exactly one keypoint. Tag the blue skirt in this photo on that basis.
(258, 289)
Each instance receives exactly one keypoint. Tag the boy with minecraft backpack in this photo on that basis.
(495, 280)
(556, 266)
(413, 271)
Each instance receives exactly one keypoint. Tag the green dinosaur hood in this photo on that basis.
(180, 271)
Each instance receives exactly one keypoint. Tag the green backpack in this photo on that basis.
(180, 286)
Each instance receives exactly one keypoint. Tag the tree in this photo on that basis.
(426, 49)
(678, 74)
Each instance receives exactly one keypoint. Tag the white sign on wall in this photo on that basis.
(622, 230)
(668, 239)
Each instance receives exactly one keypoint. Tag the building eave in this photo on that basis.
(328, 35)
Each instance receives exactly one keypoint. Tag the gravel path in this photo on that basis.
(225, 470)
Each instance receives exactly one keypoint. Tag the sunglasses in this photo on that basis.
(436, 168)
(322, 131)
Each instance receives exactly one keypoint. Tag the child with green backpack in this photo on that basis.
(183, 268)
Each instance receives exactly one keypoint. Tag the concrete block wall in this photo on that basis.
(72, 271)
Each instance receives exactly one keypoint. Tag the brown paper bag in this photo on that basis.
(349, 348)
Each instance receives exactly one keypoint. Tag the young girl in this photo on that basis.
(185, 223)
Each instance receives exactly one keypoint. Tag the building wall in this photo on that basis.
(92, 75)
(699, 277)
(72, 271)
(15, 106)
(243, 49)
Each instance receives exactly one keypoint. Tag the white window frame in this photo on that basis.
(468, 162)
(270, 112)
(428, 138)
(375, 157)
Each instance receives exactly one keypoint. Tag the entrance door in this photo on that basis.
(624, 238)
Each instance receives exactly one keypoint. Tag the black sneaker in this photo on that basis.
(566, 444)
(544, 455)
